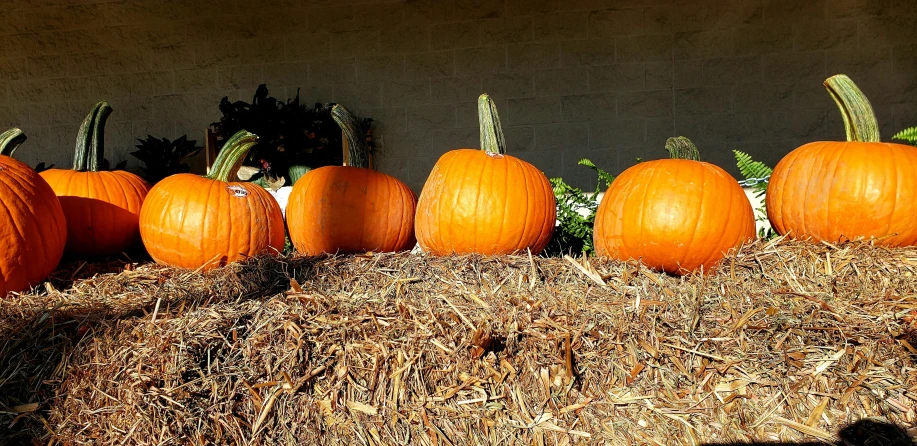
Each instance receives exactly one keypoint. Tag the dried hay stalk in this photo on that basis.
(785, 342)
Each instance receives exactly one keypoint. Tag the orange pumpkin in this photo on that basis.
(32, 227)
(102, 207)
(485, 201)
(674, 215)
(858, 189)
(347, 209)
(202, 223)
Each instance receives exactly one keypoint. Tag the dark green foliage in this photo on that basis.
(750, 168)
(106, 165)
(162, 158)
(290, 133)
(909, 135)
(574, 235)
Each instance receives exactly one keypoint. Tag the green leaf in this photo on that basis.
(575, 229)
(909, 135)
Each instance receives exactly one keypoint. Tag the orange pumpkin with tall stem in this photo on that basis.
(676, 215)
(858, 189)
(347, 209)
(485, 201)
(102, 207)
(33, 230)
(196, 222)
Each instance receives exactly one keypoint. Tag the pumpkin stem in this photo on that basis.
(90, 141)
(681, 148)
(859, 118)
(10, 140)
(230, 158)
(492, 140)
(353, 133)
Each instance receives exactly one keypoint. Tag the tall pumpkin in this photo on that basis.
(675, 215)
(32, 227)
(858, 189)
(102, 207)
(346, 209)
(198, 222)
(485, 201)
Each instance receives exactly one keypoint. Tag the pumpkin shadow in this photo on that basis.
(37, 341)
(866, 432)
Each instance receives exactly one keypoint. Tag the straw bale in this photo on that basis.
(786, 342)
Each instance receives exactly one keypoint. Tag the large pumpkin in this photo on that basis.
(674, 215)
(858, 189)
(485, 201)
(102, 207)
(32, 227)
(346, 209)
(198, 222)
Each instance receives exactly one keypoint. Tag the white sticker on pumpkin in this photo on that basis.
(237, 191)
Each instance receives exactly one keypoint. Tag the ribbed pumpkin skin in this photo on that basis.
(473, 202)
(673, 215)
(102, 209)
(828, 191)
(32, 227)
(193, 222)
(338, 209)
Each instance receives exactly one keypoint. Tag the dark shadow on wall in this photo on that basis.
(861, 433)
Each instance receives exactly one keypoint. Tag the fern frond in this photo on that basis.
(604, 177)
(909, 135)
(750, 168)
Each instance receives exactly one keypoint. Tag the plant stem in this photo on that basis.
(90, 140)
(356, 140)
(492, 140)
(682, 148)
(231, 156)
(10, 140)
(859, 118)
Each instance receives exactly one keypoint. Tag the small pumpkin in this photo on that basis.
(485, 201)
(347, 209)
(32, 226)
(196, 222)
(676, 215)
(858, 189)
(102, 207)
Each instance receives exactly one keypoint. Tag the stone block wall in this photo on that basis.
(608, 80)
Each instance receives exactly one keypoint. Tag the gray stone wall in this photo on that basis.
(608, 80)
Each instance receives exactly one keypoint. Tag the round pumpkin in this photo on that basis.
(102, 207)
(485, 201)
(858, 189)
(674, 215)
(32, 227)
(195, 222)
(347, 209)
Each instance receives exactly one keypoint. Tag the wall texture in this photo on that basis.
(605, 79)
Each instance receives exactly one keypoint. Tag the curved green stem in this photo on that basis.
(681, 148)
(859, 118)
(10, 140)
(492, 140)
(90, 140)
(231, 156)
(356, 140)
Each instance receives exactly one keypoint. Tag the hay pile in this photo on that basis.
(787, 342)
